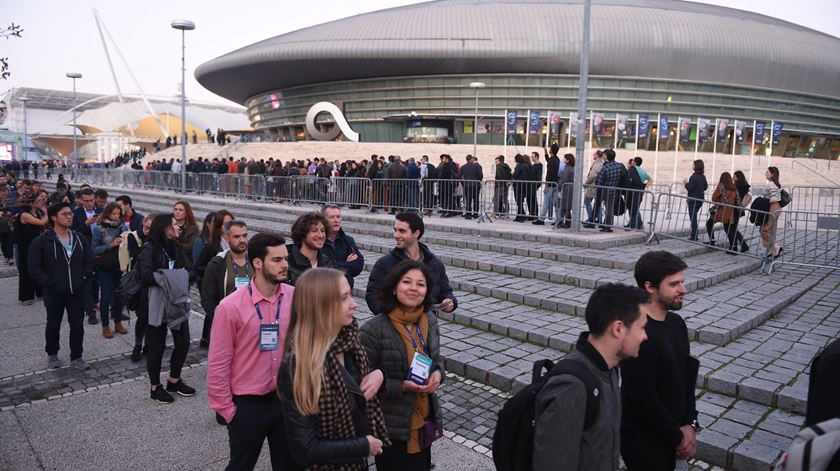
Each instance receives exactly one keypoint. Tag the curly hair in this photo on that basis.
(302, 225)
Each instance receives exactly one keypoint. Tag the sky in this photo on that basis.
(60, 36)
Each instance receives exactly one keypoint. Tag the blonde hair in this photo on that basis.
(314, 326)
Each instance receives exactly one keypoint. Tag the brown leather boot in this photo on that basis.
(106, 332)
(119, 328)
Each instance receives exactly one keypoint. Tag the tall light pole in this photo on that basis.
(74, 76)
(477, 86)
(183, 25)
(23, 100)
(581, 124)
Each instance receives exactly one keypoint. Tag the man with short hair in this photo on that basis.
(408, 229)
(660, 424)
(132, 220)
(639, 180)
(593, 215)
(84, 216)
(249, 337)
(608, 180)
(552, 171)
(616, 318)
(473, 175)
(531, 190)
(309, 233)
(226, 272)
(501, 205)
(60, 260)
(340, 247)
(100, 197)
(446, 189)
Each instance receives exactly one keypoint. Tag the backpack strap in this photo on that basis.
(592, 385)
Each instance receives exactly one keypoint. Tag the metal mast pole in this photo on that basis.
(581, 124)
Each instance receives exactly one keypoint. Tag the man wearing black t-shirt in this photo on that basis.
(659, 424)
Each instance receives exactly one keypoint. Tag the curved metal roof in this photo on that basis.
(665, 39)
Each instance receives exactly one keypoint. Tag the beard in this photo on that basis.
(672, 305)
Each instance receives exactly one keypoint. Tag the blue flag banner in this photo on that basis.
(511, 122)
(663, 128)
(534, 122)
(777, 132)
(644, 126)
(759, 132)
(722, 130)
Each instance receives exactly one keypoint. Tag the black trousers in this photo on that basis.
(395, 458)
(641, 458)
(156, 340)
(56, 305)
(257, 418)
(208, 326)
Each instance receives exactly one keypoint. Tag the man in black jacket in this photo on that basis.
(226, 272)
(501, 205)
(472, 175)
(659, 423)
(408, 229)
(84, 216)
(536, 177)
(60, 260)
(447, 171)
(133, 220)
(552, 171)
(309, 233)
(340, 247)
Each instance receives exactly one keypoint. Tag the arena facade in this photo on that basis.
(403, 74)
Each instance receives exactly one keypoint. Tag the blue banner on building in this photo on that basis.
(777, 132)
(511, 122)
(644, 126)
(759, 132)
(534, 122)
(663, 128)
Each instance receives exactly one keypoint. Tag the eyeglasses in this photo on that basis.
(65, 213)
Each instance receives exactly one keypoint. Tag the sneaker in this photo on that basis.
(161, 395)
(136, 355)
(53, 362)
(538, 223)
(180, 387)
(28, 302)
(92, 319)
(80, 364)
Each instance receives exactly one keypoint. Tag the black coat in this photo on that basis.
(79, 218)
(298, 263)
(49, 268)
(149, 261)
(824, 386)
(440, 287)
(552, 168)
(472, 171)
(305, 444)
(503, 172)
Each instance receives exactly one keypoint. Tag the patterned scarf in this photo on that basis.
(334, 421)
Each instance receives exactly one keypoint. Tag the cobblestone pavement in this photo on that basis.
(522, 292)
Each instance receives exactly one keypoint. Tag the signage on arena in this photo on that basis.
(341, 124)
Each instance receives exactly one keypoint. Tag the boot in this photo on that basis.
(106, 332)
(119, 328)
(92, 318)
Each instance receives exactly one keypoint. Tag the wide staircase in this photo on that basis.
(522, 296)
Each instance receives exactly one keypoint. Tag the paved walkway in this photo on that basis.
(521, 290)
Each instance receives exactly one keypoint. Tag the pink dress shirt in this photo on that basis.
(236, 366)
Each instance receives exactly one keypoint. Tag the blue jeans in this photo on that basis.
(693, 208)
(548, 203)
(108, 283)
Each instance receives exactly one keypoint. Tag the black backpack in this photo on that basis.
(130, 290)
(513, 439)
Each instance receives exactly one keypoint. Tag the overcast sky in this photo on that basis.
(60, 36)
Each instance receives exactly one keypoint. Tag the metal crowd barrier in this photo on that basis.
(396, 194)
(821, 199)
(741, 235)
(619, 208)
(280, 189)
(522, 200)
(352, 191)
(807, 238)
(311, 189)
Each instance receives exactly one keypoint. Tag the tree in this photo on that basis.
(13, 31)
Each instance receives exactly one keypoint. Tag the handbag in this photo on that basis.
(107, 261)
(431, 429)
(785, 199)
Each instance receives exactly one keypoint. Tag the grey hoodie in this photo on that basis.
(169, 301)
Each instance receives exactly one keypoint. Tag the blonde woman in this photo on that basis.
(333, 418)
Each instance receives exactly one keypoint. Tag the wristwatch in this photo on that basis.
(695, 425)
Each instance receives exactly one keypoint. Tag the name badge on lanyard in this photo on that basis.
(269, 337)
(241, 281)
(269, 333)
(421, 365)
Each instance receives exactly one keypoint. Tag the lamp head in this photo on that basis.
(478, 85)
(183, 25)
(73, 75)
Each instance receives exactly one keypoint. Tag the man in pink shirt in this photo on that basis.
(249, 334)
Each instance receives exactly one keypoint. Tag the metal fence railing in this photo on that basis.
(519, 200)
(821, 199)
(806, 238)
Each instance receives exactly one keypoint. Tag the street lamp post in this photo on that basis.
(23, 100)
(74, 76)
(183, 25)
(476, 86)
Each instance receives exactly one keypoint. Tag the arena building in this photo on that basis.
(403, 75)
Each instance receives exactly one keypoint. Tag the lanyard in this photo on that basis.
(419, 336)
(166, 254)
(257, 306)
(235, 271)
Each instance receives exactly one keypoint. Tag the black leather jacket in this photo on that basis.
(305, 444)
